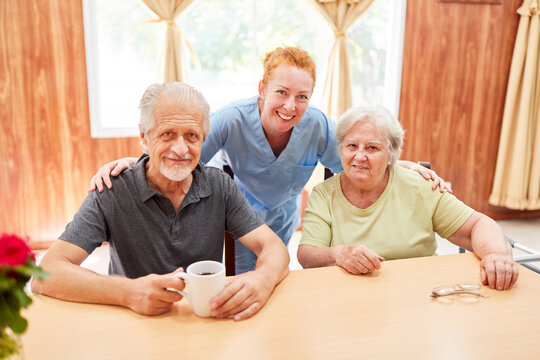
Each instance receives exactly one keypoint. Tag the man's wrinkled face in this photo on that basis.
(174, 143)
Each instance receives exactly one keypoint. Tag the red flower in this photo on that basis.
(13, 250)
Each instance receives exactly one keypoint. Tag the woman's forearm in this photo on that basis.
(487, 238)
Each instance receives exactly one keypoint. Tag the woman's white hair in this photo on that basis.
(173, 92)
(383, 121)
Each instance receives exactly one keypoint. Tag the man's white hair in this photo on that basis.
(173, 92)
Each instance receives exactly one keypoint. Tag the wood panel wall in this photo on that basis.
(456, 63)
(47, 154)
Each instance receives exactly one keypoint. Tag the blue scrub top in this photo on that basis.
(271, 185)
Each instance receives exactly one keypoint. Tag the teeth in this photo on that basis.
(284, 117)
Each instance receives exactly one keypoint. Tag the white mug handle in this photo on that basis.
(183, 276)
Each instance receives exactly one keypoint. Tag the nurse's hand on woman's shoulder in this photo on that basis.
(428, 174)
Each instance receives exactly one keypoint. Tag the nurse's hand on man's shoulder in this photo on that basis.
(103, 176)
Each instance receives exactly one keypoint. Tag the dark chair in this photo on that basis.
(328, 173)
(230, 263)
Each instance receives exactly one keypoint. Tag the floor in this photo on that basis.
(523, 231)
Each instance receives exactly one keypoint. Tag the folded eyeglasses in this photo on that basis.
(471, 289)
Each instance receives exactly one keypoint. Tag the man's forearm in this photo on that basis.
(273, 261)
(74, 283)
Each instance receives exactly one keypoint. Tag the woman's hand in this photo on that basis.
(486, 238)
(428, 174)
(113, 168)
(498, 271)
(357, 259)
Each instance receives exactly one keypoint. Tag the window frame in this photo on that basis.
(392, 93)
(97, 130)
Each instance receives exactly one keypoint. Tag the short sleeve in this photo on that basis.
(317, 221)
(218, 133)
(449, 215)
(88, 229)
(330, 157)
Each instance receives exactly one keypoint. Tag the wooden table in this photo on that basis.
(322, 313)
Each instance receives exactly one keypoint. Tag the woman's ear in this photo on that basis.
(261, 89)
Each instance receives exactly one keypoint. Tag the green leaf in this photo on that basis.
(3, 313)
(8, 345)
(31, 269)
(41, 274)
(6, 283)
(24, 270)
(18, 324)
(24, 300)
(11, 313)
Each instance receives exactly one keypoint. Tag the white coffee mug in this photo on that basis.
(204, 280)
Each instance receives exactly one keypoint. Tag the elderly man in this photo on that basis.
(164, 213)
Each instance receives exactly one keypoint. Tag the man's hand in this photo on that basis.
(498, 271)
(103, 175)
(149, 295)
(243, 296)
(357, 259)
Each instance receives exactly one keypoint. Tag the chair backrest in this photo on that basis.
(230, 262)
(328, 173)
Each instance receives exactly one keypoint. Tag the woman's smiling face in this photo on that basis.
(284, 99)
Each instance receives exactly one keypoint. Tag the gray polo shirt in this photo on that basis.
(146, 235)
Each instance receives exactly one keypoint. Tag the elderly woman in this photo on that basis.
(374, 211)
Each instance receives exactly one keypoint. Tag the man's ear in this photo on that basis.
(261, 89)
(144, 140)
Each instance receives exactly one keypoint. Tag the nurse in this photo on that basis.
(272, 142)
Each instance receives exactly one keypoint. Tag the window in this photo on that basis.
(121, 59)
(230, 38)
(376, 53)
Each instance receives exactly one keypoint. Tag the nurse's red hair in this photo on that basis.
(289, 55)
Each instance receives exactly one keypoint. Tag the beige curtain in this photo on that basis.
(517, 175)
(171, 66)
(339, 15)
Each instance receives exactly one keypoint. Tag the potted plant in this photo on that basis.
(17, 266)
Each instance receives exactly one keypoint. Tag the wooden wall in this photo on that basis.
(46, 152)
(456, 63)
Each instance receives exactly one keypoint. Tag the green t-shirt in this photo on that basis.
(400, 224)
